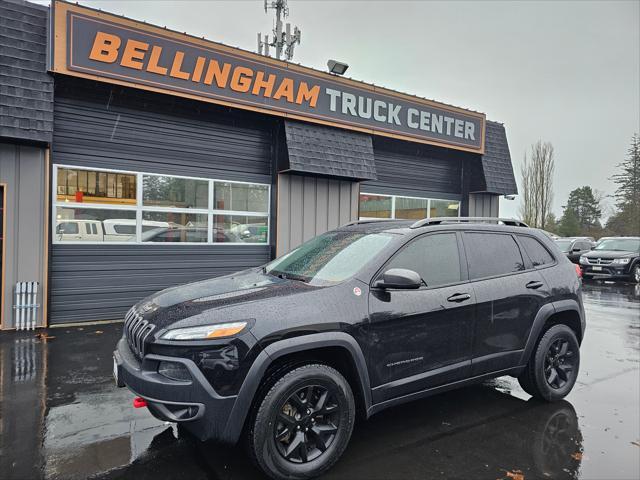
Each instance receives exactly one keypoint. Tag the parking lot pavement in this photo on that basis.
(62, 417)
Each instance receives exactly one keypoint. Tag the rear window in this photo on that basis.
(491, 254)
(536, 251)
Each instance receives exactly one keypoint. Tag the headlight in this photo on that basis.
(621, 261)
(583, 260)
(219, 330)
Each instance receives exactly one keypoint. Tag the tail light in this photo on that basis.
(578, 271)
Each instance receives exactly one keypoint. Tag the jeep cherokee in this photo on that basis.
(365, 317)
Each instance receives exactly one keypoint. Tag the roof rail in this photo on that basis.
(439, 220)
(367, 220)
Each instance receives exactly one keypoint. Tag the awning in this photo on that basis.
(497, 171)
(320, 150)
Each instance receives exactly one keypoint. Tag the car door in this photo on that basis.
(509, 292)
(422, 338)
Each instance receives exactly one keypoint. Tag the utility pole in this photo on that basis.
(283, 40)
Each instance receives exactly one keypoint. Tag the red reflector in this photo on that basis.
(139, 402)
(579, 271)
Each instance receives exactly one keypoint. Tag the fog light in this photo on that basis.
(174, 371)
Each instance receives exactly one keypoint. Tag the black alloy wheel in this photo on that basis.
(559, 364)
(307, 423)
(303, 424)
(553, 367)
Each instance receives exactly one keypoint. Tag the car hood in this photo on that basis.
(610, 254)
(223, 299)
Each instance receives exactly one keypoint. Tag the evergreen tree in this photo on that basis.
(581, 214)
(627, 220)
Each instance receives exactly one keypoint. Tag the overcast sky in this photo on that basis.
(563, 72)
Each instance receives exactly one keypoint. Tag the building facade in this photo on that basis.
(133, 158)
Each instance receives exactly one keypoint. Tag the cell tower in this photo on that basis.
(282, 41)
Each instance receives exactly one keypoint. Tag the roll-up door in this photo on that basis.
(113, 129)
(415, 170)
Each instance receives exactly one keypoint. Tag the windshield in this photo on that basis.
(329, 258)
(564, 245)
(620, 244)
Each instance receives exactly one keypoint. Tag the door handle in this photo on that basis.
(459, 297)
(534, 284)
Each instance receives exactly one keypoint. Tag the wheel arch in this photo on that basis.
(293, 351)
(566, 312)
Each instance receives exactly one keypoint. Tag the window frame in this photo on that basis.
(393, 205)
(139, 208)
(462, 261)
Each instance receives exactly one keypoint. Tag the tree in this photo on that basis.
(582, 213)
(569, 225)
(537, 184)
(627, 220)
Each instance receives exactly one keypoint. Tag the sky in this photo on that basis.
(565, 72)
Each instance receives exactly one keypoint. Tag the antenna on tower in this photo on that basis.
(283, 41)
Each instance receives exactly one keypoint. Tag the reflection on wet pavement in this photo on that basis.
(62, 417)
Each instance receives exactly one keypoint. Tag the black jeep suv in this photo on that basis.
(613, 257)
(365, 317)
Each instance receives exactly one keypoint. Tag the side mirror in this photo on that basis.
(576, 250)
(593, 247)
(399, 278)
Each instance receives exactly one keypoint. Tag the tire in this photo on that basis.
(285, 441)
(635, 273)
(553, 367)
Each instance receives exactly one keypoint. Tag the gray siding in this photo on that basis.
(26, 89)
(415, 170)
(484, 205)
(101, 282)
(120, 128)
(309, 206)
(23, 170)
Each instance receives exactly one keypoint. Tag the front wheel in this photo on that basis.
(635, 273)
(303, 424)
(553, 368)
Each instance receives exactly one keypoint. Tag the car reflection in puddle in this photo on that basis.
(477, 432)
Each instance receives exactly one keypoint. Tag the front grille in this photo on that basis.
(599, 261)
(136, 331)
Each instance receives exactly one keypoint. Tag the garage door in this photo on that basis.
(130, 167)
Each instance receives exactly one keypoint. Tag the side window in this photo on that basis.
(584, 246)
(67, 228)
(490, 254)
(536, 251)
(434, 257)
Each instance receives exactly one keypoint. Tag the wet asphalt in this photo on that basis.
(62, 417)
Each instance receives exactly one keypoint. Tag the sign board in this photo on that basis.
(105, 47)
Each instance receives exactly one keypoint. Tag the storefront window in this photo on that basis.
(444, 208)
(174, 227)
(175, 192)
(406, 208)
(241, 197)
(375, 206)
(411, 208)
(240, 229)
(90, 186)
(102, 206)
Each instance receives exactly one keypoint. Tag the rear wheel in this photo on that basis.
(553, 368)
(303, 424)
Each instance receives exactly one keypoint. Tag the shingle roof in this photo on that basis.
(329, 151)
(496, 162)
(26, 89)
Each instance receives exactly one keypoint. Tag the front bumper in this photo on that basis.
(605, 271)
(193, 403)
